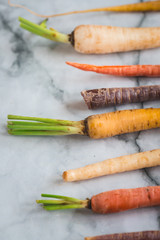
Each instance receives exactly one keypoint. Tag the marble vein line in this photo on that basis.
(21, 48)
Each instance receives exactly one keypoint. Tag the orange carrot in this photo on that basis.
(125, 71)
(99, 39)
(108, 202)
(146, 235)
(125, 199)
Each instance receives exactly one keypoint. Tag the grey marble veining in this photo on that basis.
(35, 81)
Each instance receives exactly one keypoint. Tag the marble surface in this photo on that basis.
(35, 81)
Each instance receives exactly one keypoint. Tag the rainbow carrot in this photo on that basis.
(146, 235)
(136, 7)
(108, 202)
(124, 71)
(99, 39)
(105, 97)
(95, 126)
(114, 165)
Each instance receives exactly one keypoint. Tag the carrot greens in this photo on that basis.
(42, 126)
(42, 30)
(64, 203)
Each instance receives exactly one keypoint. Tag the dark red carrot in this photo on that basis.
(104, 97)
(146, 235)
(127, 70)
(108, 202)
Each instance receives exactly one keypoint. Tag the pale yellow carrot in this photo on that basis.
(99, 39)
(107, 39)
(114, 165)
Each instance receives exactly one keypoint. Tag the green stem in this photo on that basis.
(43, 120)
(43, 126)
(51, 202)
(43, 32)
(30, 29)
(70, 199)
(36, 133)
(64, 129)
(59, 207)
(65, 203)
(29, 123)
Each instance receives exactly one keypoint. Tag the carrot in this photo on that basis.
(99, 39)
(146, 235)
(108, 202)
(124, 71)
(114, 165)
(95, 126)
(105, 97)
(136, 7)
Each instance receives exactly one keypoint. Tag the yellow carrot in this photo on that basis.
(95, 126)
(120, 122)
(99, 39)
(135, 7)
(114, 165)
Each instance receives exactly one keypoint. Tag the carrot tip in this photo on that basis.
(70, 63)
(65, 176)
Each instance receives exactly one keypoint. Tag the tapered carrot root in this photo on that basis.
(104, 97)
(120, 122)
(146, 235)
(124, 71)
(106, 39)
(114, 165)
(125, 199)
(137, 7)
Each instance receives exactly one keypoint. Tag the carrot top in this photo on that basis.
(63, 202)
(42, 31)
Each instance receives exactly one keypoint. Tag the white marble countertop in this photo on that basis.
(35, 81)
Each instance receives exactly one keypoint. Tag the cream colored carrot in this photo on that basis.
(107, 39)
(99, 39)
(114, 165)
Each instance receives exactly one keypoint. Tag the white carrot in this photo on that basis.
(107, 39)
(114, 165)
(99, 39)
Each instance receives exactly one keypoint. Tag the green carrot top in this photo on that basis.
(63, 202)
(42, 31)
